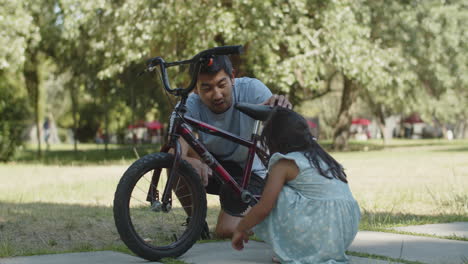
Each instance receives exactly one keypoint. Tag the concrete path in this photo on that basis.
(459, 229)
(101, 257)
(253, 253)
(415, 248)
(205, 253)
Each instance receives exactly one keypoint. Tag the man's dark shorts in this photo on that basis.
(214, 184)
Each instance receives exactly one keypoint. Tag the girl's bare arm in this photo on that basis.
(283, 171)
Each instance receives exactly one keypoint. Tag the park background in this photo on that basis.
(70, 101)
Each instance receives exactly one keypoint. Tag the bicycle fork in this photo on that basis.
(164, 204)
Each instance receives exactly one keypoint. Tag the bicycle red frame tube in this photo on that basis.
(181, 129)
(208, 158)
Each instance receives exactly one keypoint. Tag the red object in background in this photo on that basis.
(412, 119)
(137, 124)
(153, 125)
(311, 124)
(361, 121)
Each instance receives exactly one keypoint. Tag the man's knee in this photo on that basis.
(226, 225)
(224, 231)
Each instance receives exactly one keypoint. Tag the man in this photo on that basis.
(212, 102)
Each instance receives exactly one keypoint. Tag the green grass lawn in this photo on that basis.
(409, 185)
(60, 207)
(86, 154)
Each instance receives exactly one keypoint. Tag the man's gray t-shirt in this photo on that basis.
(246, 90)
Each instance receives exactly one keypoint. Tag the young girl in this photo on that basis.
(307, 212)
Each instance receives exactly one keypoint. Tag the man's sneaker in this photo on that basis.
(205, 234)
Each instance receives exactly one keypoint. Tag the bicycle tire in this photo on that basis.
(127, 226)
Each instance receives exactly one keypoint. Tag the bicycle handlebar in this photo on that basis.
(197, 60)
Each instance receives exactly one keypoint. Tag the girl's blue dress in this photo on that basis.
(315, 218)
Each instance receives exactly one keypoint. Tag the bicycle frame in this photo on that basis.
(181, 129)
(208, 157)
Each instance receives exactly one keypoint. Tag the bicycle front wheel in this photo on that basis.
(146, 229)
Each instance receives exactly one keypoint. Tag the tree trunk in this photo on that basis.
(133, 114)
(341, 132)
(382, 128)
(74, 101)
(379, 114)
(106, 115)
(31, 77)
(462, 131)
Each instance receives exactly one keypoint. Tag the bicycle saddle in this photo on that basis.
(257, 112)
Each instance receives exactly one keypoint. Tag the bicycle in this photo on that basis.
(147, 188)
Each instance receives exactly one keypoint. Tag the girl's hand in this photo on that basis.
(238, 239)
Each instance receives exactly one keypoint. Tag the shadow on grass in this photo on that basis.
(397, 143)
(354, 146)
(459, 145)
(47, 228)
(98, 155)
(39, 228)
(458, 149)
(95, 154)
(125, 153)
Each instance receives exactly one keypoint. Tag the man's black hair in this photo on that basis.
(220, 62)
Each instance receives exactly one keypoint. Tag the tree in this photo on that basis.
(430, 36)
(15, 112)
(18, 32)
(44, 20)
(304, 46)
(103, 41)
(296, 47)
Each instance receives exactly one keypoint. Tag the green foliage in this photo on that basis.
(91, 118)
(56, 95)
(431, 37)
(402, 56)
(18, 31)
(14, 112)
(89, 122)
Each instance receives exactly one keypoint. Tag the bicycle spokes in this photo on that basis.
(155, 224)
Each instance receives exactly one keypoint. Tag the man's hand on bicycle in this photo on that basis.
(202, 169)
(191, 157)
(278, 100)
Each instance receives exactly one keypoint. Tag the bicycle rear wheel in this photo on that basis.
(148, 231)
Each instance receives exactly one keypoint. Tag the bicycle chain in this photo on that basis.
(231, 201)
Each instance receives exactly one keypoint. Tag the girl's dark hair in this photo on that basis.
(220, 62)
(286, 131)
